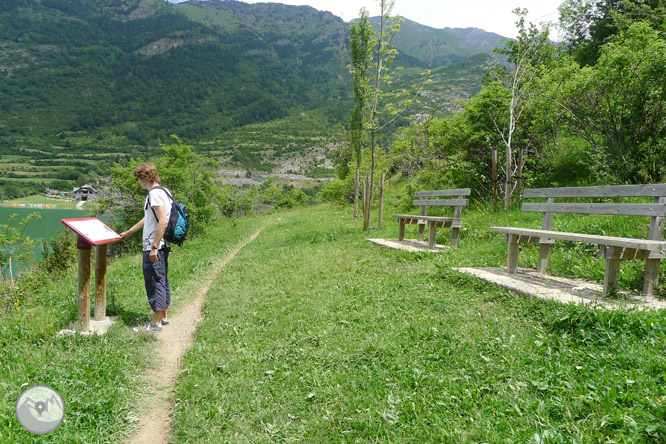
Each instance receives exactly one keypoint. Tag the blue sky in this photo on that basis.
(489, 15)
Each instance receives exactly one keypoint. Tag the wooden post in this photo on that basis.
(432, 235)
(545, 244)
(100, 282)
(421, 224)
(495, 175)
(356, 180)
(381, 201)
(651, 276)
(612, 270)
(512, 256)
(366, 202)
(83, 313)
(455, 231)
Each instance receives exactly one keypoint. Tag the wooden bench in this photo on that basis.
(613, 249)
(425, 199)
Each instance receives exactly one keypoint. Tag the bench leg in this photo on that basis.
(401, 231)
(651, 276)
(512, 262)
(421, 231)
(432, 235)
(544, 253)
(455, 234)
(612, 271)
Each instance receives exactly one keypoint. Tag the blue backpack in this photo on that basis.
(178, 224)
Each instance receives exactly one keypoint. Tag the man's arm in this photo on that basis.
(134, 229)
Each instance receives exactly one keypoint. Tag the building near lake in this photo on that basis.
(86, 192)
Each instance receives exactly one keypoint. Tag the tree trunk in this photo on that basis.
(11, 273)
(519, 174)
(372, 169)
(507, 180)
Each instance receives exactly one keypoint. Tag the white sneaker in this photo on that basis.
(150, 327)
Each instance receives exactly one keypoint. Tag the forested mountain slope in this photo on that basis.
(96, 80)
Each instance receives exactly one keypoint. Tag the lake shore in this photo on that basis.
(41, 202)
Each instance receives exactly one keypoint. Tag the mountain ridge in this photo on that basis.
(108, 79)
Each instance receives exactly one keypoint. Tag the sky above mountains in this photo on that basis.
(490, 15)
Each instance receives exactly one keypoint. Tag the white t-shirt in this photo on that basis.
(156, 198)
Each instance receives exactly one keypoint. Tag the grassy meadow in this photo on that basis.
(313, 334)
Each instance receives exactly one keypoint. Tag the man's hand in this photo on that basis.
(126, 234)
(153, 255)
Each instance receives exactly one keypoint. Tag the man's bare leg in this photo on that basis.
(158, 316)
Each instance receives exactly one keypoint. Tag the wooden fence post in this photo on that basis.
(83, 312)
(381, 201)
(100, 282)
(366, 202)
(356, 190)
(495, 175)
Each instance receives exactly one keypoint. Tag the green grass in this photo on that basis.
(314, 334)
(100, 378)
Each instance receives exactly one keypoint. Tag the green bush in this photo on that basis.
(338, 191)
(59, 253)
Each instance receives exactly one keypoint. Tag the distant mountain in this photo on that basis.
(115, 77)
(438, 47)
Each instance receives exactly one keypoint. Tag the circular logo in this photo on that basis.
(40, 409)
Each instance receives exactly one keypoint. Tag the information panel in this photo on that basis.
(93, 230)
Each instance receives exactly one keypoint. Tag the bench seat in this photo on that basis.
(603, 201)
(611, 241)
(439, 221)
(453, 198)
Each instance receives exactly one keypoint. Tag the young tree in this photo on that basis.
(526, 56)
(384, 54)
(371, 52)
(362, 42)
(588, 24)
(15, 246)
(618, 106)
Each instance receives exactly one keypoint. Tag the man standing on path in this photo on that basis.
(157, 209)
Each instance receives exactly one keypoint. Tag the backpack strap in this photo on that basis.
(148, 199)
(168, 193)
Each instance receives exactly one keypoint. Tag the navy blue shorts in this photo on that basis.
(157, 282)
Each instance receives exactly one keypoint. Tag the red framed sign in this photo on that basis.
(92, 230)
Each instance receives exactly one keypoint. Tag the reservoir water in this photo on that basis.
(43, 228)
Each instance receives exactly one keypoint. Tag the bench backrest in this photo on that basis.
(656, 210)
(455, 198)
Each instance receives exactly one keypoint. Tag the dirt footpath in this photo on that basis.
(172, 343)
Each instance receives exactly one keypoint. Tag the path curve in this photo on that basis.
(172, 343)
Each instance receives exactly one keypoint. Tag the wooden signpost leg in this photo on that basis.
(83, 314)
(100, 282)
